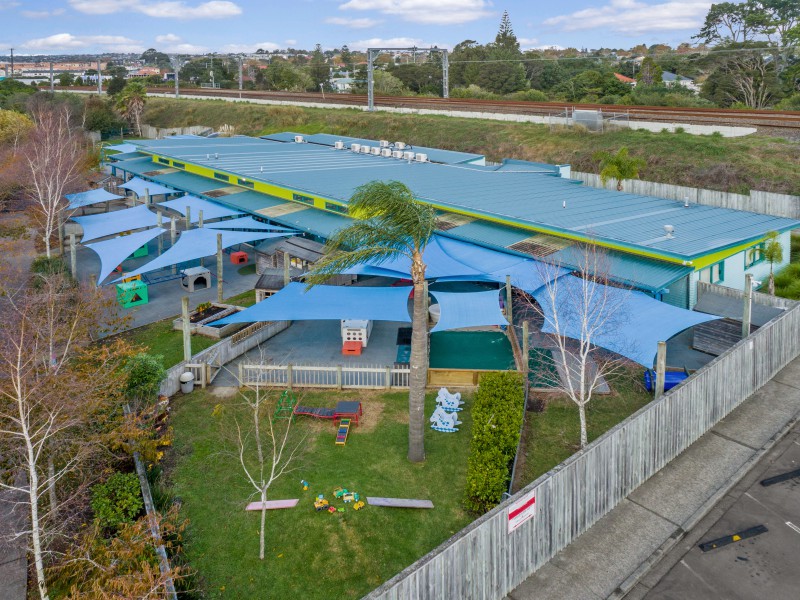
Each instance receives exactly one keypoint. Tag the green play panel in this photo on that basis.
(483, 350)
(140, 252)
(542, 372)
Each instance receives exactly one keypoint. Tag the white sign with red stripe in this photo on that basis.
(521, 511)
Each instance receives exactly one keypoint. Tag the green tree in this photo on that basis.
(391, 224)
(505, 38)
(387, 84)
(115, 86)
(347, 59)
(619, 166)
(319, 70)
(773, 253)
(505, 77)
(649, 73)
(728, 22)
(131, 101)
(66, 79)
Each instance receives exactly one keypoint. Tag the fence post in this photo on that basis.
(509, 312)
(388, 377)
(286, 274)
(73, 257)
(219, 268)
(241, 374)
(339, 377)
(748, 305)
(525, 351)
(160, 223)
(188, 218)
(187, 337)
(289, 376)
(661, 368)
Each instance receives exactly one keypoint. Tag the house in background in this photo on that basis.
(671, 79)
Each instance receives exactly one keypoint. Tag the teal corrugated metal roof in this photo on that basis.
(138, 165)
(251, 201)
(194, 184)
(317, 222)
(489, 233)
(532, 199)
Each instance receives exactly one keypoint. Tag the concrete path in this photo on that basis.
(610, 558)
(13, 561)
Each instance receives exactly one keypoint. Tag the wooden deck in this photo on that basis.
(715, 337)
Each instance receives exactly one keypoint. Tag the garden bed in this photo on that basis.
(308, 553)
(202, 321)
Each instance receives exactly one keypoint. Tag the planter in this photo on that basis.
(201, 322)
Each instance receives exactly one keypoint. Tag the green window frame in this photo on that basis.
(163, 161)
(337, 208)
(222, 177)
(303, 199)
(754, 255)
(713, 273)
(247, 184)
(178, 165)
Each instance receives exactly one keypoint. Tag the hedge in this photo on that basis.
(496, 422)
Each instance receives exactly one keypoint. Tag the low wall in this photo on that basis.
(766, 203)
(758, 297)
(220, 354)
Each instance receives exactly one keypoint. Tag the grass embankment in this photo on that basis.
(728, 164)
(313, 554)
(552, 436)
(161, 338)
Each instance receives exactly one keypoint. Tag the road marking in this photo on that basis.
(697, 575)
(793, 526)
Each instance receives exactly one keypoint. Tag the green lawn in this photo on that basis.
(309, 554)
(161, 338)
(787, 280)
(553, 436)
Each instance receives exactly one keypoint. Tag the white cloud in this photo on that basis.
(634, 17)
(353, 23)
(185, 48)
(439, 12)
(42, 14)
(290, 42)
(397, 42)
(67, 41)
(249, 48)
(7, 5)
(169, 38)
(170, 9)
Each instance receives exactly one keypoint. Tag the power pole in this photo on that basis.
(52, 82)
(370, 80)
(240, 76)
(12, 63)
(445, 75)
(372, 54)
(176, 67)
(99, 79)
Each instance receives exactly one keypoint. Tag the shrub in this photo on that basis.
(529, 96)
(54, 265)
(145, 372)
(790, 102)
(496, 422)
(118, 501)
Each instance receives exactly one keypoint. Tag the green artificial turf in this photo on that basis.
(542, 372)
(309, 554)
(488, 350)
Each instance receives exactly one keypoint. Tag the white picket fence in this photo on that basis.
(368, 377)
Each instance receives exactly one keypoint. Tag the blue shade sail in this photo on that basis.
(112, 252)
(624, 321)
(324, 302)
(138, 186)
(87, 198)
(470, 309)
(211, 210)
(111, 223)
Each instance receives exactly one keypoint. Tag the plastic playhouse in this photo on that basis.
(132, 293)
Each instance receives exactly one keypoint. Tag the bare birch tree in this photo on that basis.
(55, 156)
(276, 450)
(575, 311)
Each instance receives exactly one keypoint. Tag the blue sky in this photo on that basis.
(79, 26)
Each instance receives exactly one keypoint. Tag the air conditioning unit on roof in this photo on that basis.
(338, 145)
(387, 152)
(355, 147)
(365, 149)
(384, 143)
(375, 150)
(400, 145)
(408, 155)
(421, 157)
(299, 139)
(397, 154)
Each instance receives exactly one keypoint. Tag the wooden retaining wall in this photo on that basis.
(485, 562)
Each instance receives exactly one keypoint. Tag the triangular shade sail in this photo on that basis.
(211, 210)
(90, 197)
(471, 309)
(138, 187)
(112, 252)
(122, 148)
(111, 223)
(623, 321)
(328, 302)
(198, 243)
(246, 223)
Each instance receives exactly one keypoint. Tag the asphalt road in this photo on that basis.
(762, 567)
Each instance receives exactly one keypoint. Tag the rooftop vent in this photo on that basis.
(338, 145)
(355, 147)
(375, 150)
(421, 157)
(384, 143)
(299, 139)
(387, 152)
(669, 229)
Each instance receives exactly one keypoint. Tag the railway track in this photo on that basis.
(737, 117)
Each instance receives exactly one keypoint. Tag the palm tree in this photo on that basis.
(619, 166)
(773, 253)
(390, 224)
(131, 101)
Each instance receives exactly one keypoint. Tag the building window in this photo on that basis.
(221, 177)
(247, 184)
(338, 208)
(178, 165)
(754, 255)
(163, 161)
(303, 199)
(713, 274)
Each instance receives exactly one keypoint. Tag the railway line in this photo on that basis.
(786, 120)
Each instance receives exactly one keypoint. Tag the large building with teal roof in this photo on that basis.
(659, 246)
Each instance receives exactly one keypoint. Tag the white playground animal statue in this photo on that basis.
(450, 402)
(444, 421)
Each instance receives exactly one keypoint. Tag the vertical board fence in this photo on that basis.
(767, 203)
(484, 561)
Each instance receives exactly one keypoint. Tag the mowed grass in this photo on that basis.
(552, 436)
(711, 161)
(309, 554)
(161, 338)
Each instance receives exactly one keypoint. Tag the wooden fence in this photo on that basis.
(368, 377)
(484, 561)
(767, 203)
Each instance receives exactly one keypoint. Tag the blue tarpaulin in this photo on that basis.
(469, 309)
(199, 243)
(111, 223)
(624, 321)
(138, 187)
(112, 252)
(90, 197)
(211, 210)
(328, 302)
(122, 148)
